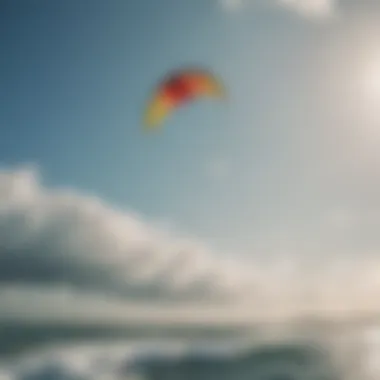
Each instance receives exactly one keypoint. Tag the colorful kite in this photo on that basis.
(177, 89)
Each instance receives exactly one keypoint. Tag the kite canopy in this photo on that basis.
(179, 88)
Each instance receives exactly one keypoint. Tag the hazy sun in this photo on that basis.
(372, 81)
(370, 104)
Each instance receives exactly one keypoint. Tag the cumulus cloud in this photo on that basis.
(66, 253)
(62, 238)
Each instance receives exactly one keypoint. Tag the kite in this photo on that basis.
(177, 89)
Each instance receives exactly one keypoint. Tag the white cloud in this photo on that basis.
(310, 7)
(67, 255)
(307, 8)
(60, 237)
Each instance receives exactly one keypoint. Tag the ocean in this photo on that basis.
(273, 354)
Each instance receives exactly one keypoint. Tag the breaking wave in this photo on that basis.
(346, 359)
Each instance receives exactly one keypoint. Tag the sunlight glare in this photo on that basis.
(372, 80)
(370, 89)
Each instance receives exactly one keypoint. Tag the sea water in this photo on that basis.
(348, 355)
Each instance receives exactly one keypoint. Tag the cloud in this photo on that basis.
(64, 254)
(307, 8)
(318, 8)
(62, 238)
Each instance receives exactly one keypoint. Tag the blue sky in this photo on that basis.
(76, 76)
(287, 167)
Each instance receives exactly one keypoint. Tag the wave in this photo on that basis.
(290, 359)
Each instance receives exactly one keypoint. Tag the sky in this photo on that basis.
(262, 206)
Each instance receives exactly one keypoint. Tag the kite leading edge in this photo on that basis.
(177, 89)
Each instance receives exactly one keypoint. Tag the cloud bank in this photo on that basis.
(60, 237)
(65, 252)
